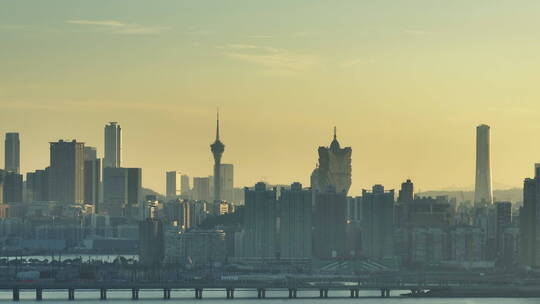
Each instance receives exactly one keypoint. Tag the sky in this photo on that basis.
(405, 81)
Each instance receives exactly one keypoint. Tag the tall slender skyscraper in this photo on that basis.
(12, 155)
(217, 149)
(113, 145)
(482, 190)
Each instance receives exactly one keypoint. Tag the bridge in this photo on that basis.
(293, 286)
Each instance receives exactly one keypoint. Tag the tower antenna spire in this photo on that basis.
(217, 124)
(335, 132)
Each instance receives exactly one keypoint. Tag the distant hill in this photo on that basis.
(147, 191)
(513, 195)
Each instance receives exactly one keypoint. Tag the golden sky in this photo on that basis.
(405, 82)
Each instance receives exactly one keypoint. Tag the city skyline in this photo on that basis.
(409, 79)
(162, 188)
(190, 149)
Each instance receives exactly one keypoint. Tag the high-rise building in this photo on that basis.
(92, 176)
(201, 189)
(227, 182)
(12, 153)
(482, 191)
(12, 186)
(260, 222)
(66, 175)
(503, 220)
(151, 242)
(185, 187)
(406, 193)
(185, 214)
(173, 184)
(354, 208)
(37, 186)
(329, 224)
(467, 243)
(334, 168)
(113, 145)
(134, 185)
(421, 228)
(217, 149)
(529, 222)
(405, 197)
(121, 187)
(378, 223)
(90, 153)
(295, 222)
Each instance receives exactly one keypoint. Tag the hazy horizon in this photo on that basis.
(405, 82)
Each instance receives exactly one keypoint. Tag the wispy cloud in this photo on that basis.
(274, 60)
(118, 27)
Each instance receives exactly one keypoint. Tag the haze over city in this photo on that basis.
(281, 150)
(405, 82)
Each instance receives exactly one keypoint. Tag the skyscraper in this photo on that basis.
(121, 187)
(12, 184)
(378, 223)
(329, 224)
(173, 179)
(151, 242)
(113, 145)
(503, 220)
(201, 189)
(482, 190)
(295, 223)
(227, 182)
(184, 186)
(217, 149)
(260, 222)
(67, 172)
(12, 152)
(37, 185)
(92, 176)
(334, 168)
(90, 153)
(406, 193)
(529, 223)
